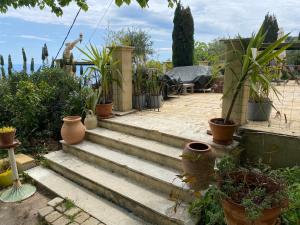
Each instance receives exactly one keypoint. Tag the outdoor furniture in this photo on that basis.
(188, 86)
(17, 192)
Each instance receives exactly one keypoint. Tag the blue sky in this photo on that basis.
(31, 28)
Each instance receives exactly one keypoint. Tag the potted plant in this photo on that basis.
(91, 121)
(7, 135)
(139, 97)
(248, 196)
(6, 178)
(260, 104)
(223, 128)
(102, 73)
(154, 86)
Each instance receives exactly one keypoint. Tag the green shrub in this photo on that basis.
(36, 104)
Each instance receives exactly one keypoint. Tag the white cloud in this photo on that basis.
(34, 37)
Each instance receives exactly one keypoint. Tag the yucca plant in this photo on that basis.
(101, 70)
(253, 65)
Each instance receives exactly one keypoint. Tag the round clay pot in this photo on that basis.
(7, 138)
(222, 134)
(104, 110)
(72, 131)
(235, 214)
(198, 161)
(90, 121)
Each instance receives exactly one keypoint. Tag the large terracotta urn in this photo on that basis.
(72, 131)
(198, 161)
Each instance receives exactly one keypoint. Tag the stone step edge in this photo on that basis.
(159, 136)
(132, 149)
(94, 187)
(88, 192)
(168, 188)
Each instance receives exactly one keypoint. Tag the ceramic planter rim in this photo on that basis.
(188, 146)
(221, 125)
(72, 118)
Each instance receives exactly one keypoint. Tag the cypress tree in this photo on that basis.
(10, 65)
(32, 65)
(24, 61)
(43, 55)
(2, 67)
(183, 37)
(270, 27)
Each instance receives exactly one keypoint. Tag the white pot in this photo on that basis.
(90, 121)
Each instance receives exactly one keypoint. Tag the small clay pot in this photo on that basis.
(7, 138)
(198, 161)
(90, 121)
(104, 110)
(222, 133)
(72, 131)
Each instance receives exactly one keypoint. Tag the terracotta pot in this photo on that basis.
(235, 215)
(72, 131)
(104, 110)
(90, 121)
(222, 134)
(7, 138)
(198, 162)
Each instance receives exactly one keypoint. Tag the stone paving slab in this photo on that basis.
(55, 202)
(62, 216)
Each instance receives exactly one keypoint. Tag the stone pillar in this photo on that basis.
(239, 112)
(122, 95)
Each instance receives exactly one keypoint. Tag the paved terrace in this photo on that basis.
(187, 115)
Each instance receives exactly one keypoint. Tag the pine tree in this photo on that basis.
(183, 37)
(10, 65)
(270, 27)
(32, 65)
(24, 61)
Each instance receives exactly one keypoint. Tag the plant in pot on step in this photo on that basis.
(260, 104)
(104, 74)
(92, 98)
(223, 128)
(249, 196)
(7, 136)
(154, 86)
(139, 96)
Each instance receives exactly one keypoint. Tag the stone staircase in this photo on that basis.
(121, 175)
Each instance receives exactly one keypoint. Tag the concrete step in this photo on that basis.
(154, 135)
(152, 206)
(150, 174)
(144, 148)
(166, 138)
(98, 207)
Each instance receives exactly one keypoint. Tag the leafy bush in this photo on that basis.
(36, 104)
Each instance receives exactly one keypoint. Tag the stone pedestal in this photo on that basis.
(233, 69)
(122, 95)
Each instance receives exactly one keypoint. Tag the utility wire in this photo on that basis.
(74, 20)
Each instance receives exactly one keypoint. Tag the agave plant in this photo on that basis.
(253, 65)
(92, 98)
(101, 70)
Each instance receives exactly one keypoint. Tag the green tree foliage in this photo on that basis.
(137, 38)
(32, 65)
(24, 60)
(57, 6)
(183, 37)
(2, 67)
(10, 65)
(270, 27)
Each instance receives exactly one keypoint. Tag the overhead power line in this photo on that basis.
(74, 20)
